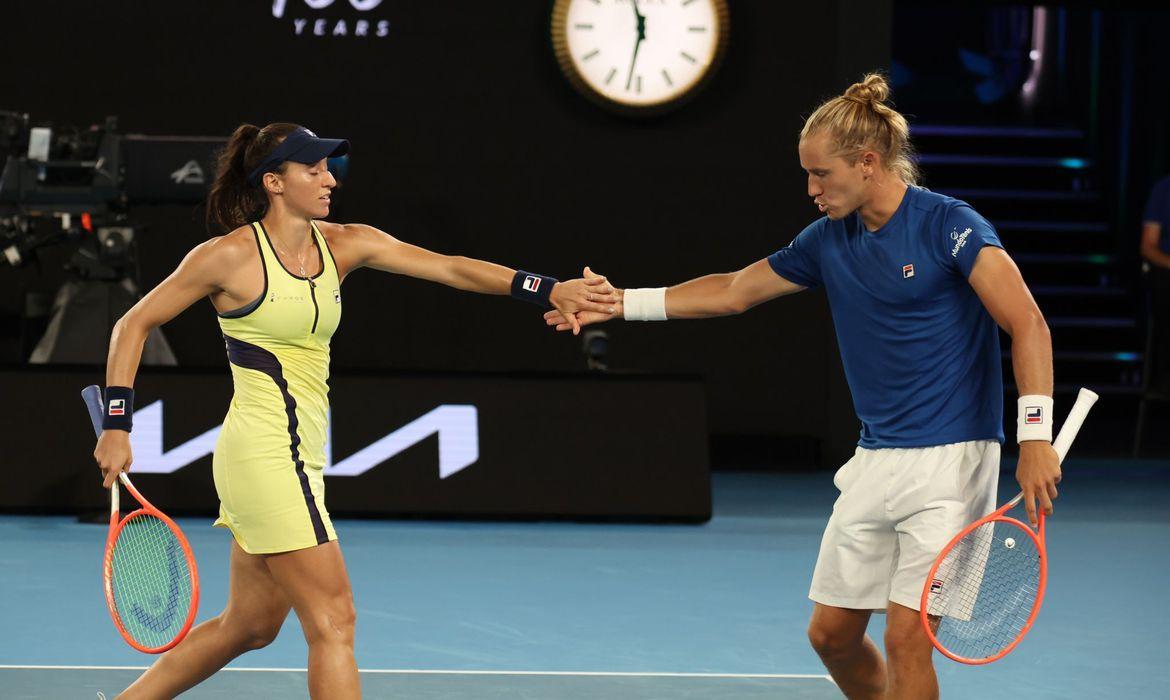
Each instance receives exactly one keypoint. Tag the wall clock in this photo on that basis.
(640, 56)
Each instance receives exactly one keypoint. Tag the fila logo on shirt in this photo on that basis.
(1034, 415)
(117, 407)
(907, 271)
(531, 284)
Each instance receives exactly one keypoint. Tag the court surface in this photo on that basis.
(567, 610)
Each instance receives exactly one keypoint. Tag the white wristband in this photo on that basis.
(644, 304)
(1034, 418)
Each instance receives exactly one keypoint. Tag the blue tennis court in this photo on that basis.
(568, 610)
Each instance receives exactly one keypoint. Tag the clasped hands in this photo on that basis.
(583, 301)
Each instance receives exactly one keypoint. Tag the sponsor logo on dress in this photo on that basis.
(531, 284)
(336, 296)
(907, 271)
(1034, 414)
(960, 240)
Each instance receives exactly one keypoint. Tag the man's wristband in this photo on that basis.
(528, 286)
(1034, 418)
(644, 304)
(119, 408)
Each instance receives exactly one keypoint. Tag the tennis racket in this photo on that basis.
(149, 574)
(985, 589)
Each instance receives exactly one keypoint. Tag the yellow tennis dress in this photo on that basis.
(270, 454)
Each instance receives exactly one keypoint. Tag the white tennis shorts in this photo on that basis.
(898, 508)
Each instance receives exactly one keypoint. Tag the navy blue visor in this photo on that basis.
(301, 146)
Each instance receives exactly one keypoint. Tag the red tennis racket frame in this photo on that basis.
(116, 526)
(1037, 537)
(1068, 432)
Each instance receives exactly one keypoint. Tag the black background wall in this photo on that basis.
(466, 139)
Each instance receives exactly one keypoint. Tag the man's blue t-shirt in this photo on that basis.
(1158, 211)
(921, 353)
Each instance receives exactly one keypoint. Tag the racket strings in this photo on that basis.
(984, 590)
(151, 581)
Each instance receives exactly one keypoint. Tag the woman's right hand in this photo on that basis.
(565, 319)
(113, 455)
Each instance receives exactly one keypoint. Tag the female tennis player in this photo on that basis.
(917, 283)
(275, 281)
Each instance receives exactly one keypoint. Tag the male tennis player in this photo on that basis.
(917, 283)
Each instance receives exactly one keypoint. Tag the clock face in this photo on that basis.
(639, 55)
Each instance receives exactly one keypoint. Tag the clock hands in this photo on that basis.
(641, 19)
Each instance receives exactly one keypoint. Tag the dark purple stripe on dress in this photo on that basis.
(251, 356)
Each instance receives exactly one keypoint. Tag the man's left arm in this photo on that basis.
(997, 281)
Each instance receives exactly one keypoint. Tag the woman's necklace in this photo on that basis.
(300, 259)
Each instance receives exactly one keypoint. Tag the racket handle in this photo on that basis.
(93, 401)
(92, 395)
(1072, 425)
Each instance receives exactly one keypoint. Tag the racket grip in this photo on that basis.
(1072, 425)
(92, 395)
